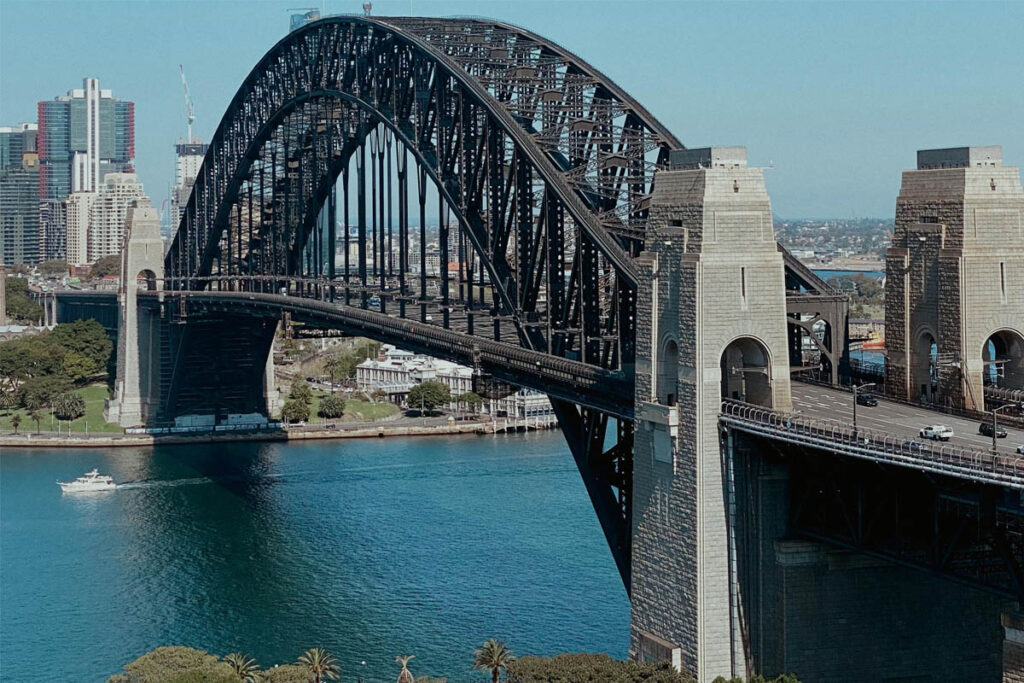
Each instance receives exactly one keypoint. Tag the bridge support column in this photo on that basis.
(270, 392)
(1013, 647)
(138, 335)
(711, 322)
(954, 291)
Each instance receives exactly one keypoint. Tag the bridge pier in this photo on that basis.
(136, 387)
(711, 323)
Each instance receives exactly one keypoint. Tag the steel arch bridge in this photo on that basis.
(539, 168)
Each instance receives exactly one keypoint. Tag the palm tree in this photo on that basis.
(245, 668)
(405, 676)
(321, 664)
(15, 421)
(493, 655)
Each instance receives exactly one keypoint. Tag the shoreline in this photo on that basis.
(379, 431)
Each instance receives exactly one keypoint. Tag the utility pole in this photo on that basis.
(855, 390)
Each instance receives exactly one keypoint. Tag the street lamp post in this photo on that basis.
(855, 390)
(995, 423)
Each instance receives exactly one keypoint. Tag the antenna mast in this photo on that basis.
(190, 112)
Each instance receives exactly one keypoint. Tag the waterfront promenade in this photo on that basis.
(398, 427)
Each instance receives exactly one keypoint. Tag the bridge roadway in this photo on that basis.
(900, 419)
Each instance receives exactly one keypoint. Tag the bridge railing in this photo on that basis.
(942, 458)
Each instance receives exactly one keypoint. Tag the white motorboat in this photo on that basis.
(90, 481)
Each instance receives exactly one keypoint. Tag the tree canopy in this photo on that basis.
(429, 395)
(20, 306)
(300, 391)
(108, 265)
(54, 267)
(295, 411)
(38, 368)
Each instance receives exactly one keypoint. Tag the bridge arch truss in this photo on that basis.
(538, 167)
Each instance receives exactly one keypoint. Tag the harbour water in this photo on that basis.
(369, 548)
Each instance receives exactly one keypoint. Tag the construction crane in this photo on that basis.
(190, 112)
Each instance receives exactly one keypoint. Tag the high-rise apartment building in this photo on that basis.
(108, 214)
(78, 208)
(189, 159)
(83, 136)
(19, 195)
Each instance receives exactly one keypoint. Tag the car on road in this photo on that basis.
(867, 400)
(1020, 449)
(985, 429)
(937, 433)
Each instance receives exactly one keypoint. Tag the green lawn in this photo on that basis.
(93, 396)
(355, 411)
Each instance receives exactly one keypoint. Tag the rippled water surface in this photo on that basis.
(368, 548)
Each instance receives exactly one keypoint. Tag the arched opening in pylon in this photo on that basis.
(668, 373)
(146, 280)
(924, 379)
(1003, 361)
(746, 372)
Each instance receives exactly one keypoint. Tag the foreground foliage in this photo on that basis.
(316, 665)
(595, 668)
(494, 656)
(175, 664)
(320, 664)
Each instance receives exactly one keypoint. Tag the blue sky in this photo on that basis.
(837, 96)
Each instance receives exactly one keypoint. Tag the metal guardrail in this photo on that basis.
(964, 463)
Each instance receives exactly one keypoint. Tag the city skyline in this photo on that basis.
(834, 98)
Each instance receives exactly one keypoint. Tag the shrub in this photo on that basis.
(68, 406)
(295, 411)
(300, 391)
(331, 406)
(175, 664)
(568, 668)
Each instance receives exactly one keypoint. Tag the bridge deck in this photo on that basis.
(888, 433)
(899, 419)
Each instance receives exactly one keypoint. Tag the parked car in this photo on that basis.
(867, 400)
(985, 429)
(1020, 449)
(937, 433)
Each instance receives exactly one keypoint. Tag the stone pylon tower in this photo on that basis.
(138, 335)
(711, 323)
(954, 291)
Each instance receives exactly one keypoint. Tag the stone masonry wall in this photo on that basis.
(967, 289)
(719, 277)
